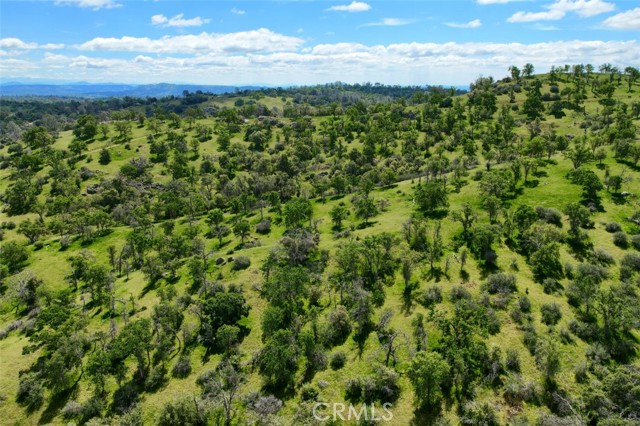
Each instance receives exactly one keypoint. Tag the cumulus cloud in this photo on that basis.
(629, 20)
(558, 10)
(389, 22)
(246, 41)
(237, 11)
(471, 24)
(93, 4)
(15, 44)
(401, 63)
(354, 6)
(178, 21)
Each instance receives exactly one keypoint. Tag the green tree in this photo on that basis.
(338, 214)
(431, 196)
(365, 208)
(297, 211)
(242, 229)
(86, 127)
(32, 230)
(427, 373)
(278, 359)
(105, 157)
(533, 107)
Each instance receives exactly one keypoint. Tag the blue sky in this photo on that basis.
(288, 42)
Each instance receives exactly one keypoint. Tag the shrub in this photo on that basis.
(500, 283)
(631, 261)
(620, 239)
(338, 359)
(264, 226)
(184, 412)
(459, 293)
(551, 313)
(581, 372)
(72, 410)
(512, 360)
(612, 227)
(241, 262)
(635, 241)
(474, 414)
(308, 392)
(524, 303)
(30, 392)
(338, 326)
(431, 296)
(156, 379)
(551, 286)
(549, 215)
(182, 367)
(602, 257)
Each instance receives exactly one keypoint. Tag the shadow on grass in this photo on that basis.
(407, 298)
(57, 402)
(426, 416)
(365, 225)
(532, 183)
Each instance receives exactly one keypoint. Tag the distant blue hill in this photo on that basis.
(108, 90)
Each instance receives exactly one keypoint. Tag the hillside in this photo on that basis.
(465, 258)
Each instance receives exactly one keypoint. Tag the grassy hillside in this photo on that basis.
(531, 314)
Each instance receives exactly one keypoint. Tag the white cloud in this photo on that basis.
(389, 22)
(13, 43)
(354, 6)
(178, 21)
(558, 10)
(629, 20)
(246, 41)
(471, 24)
(93, 4)
(237, 11)
(551, 15)
(401, 63)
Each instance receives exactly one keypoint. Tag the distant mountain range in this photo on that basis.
(108, 90)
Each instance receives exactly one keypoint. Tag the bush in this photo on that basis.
(72, 410)
(157, 378)
(474, 414)
(551, 286)
(338, 359)
(183, 412)
(512, 360)
(459, 293)
(551, 313)
(549, 215)
(431, 296)
(30, 392)
(635, 241)
(612, 227)
(524, 304)
(517, 391)
(182, 367)
(241, 262)
(631, 261)
(500, 283)
(308, 392)
(602, 257)
(620, 239)
(338, 326)
(264, 226)
(581, 372)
